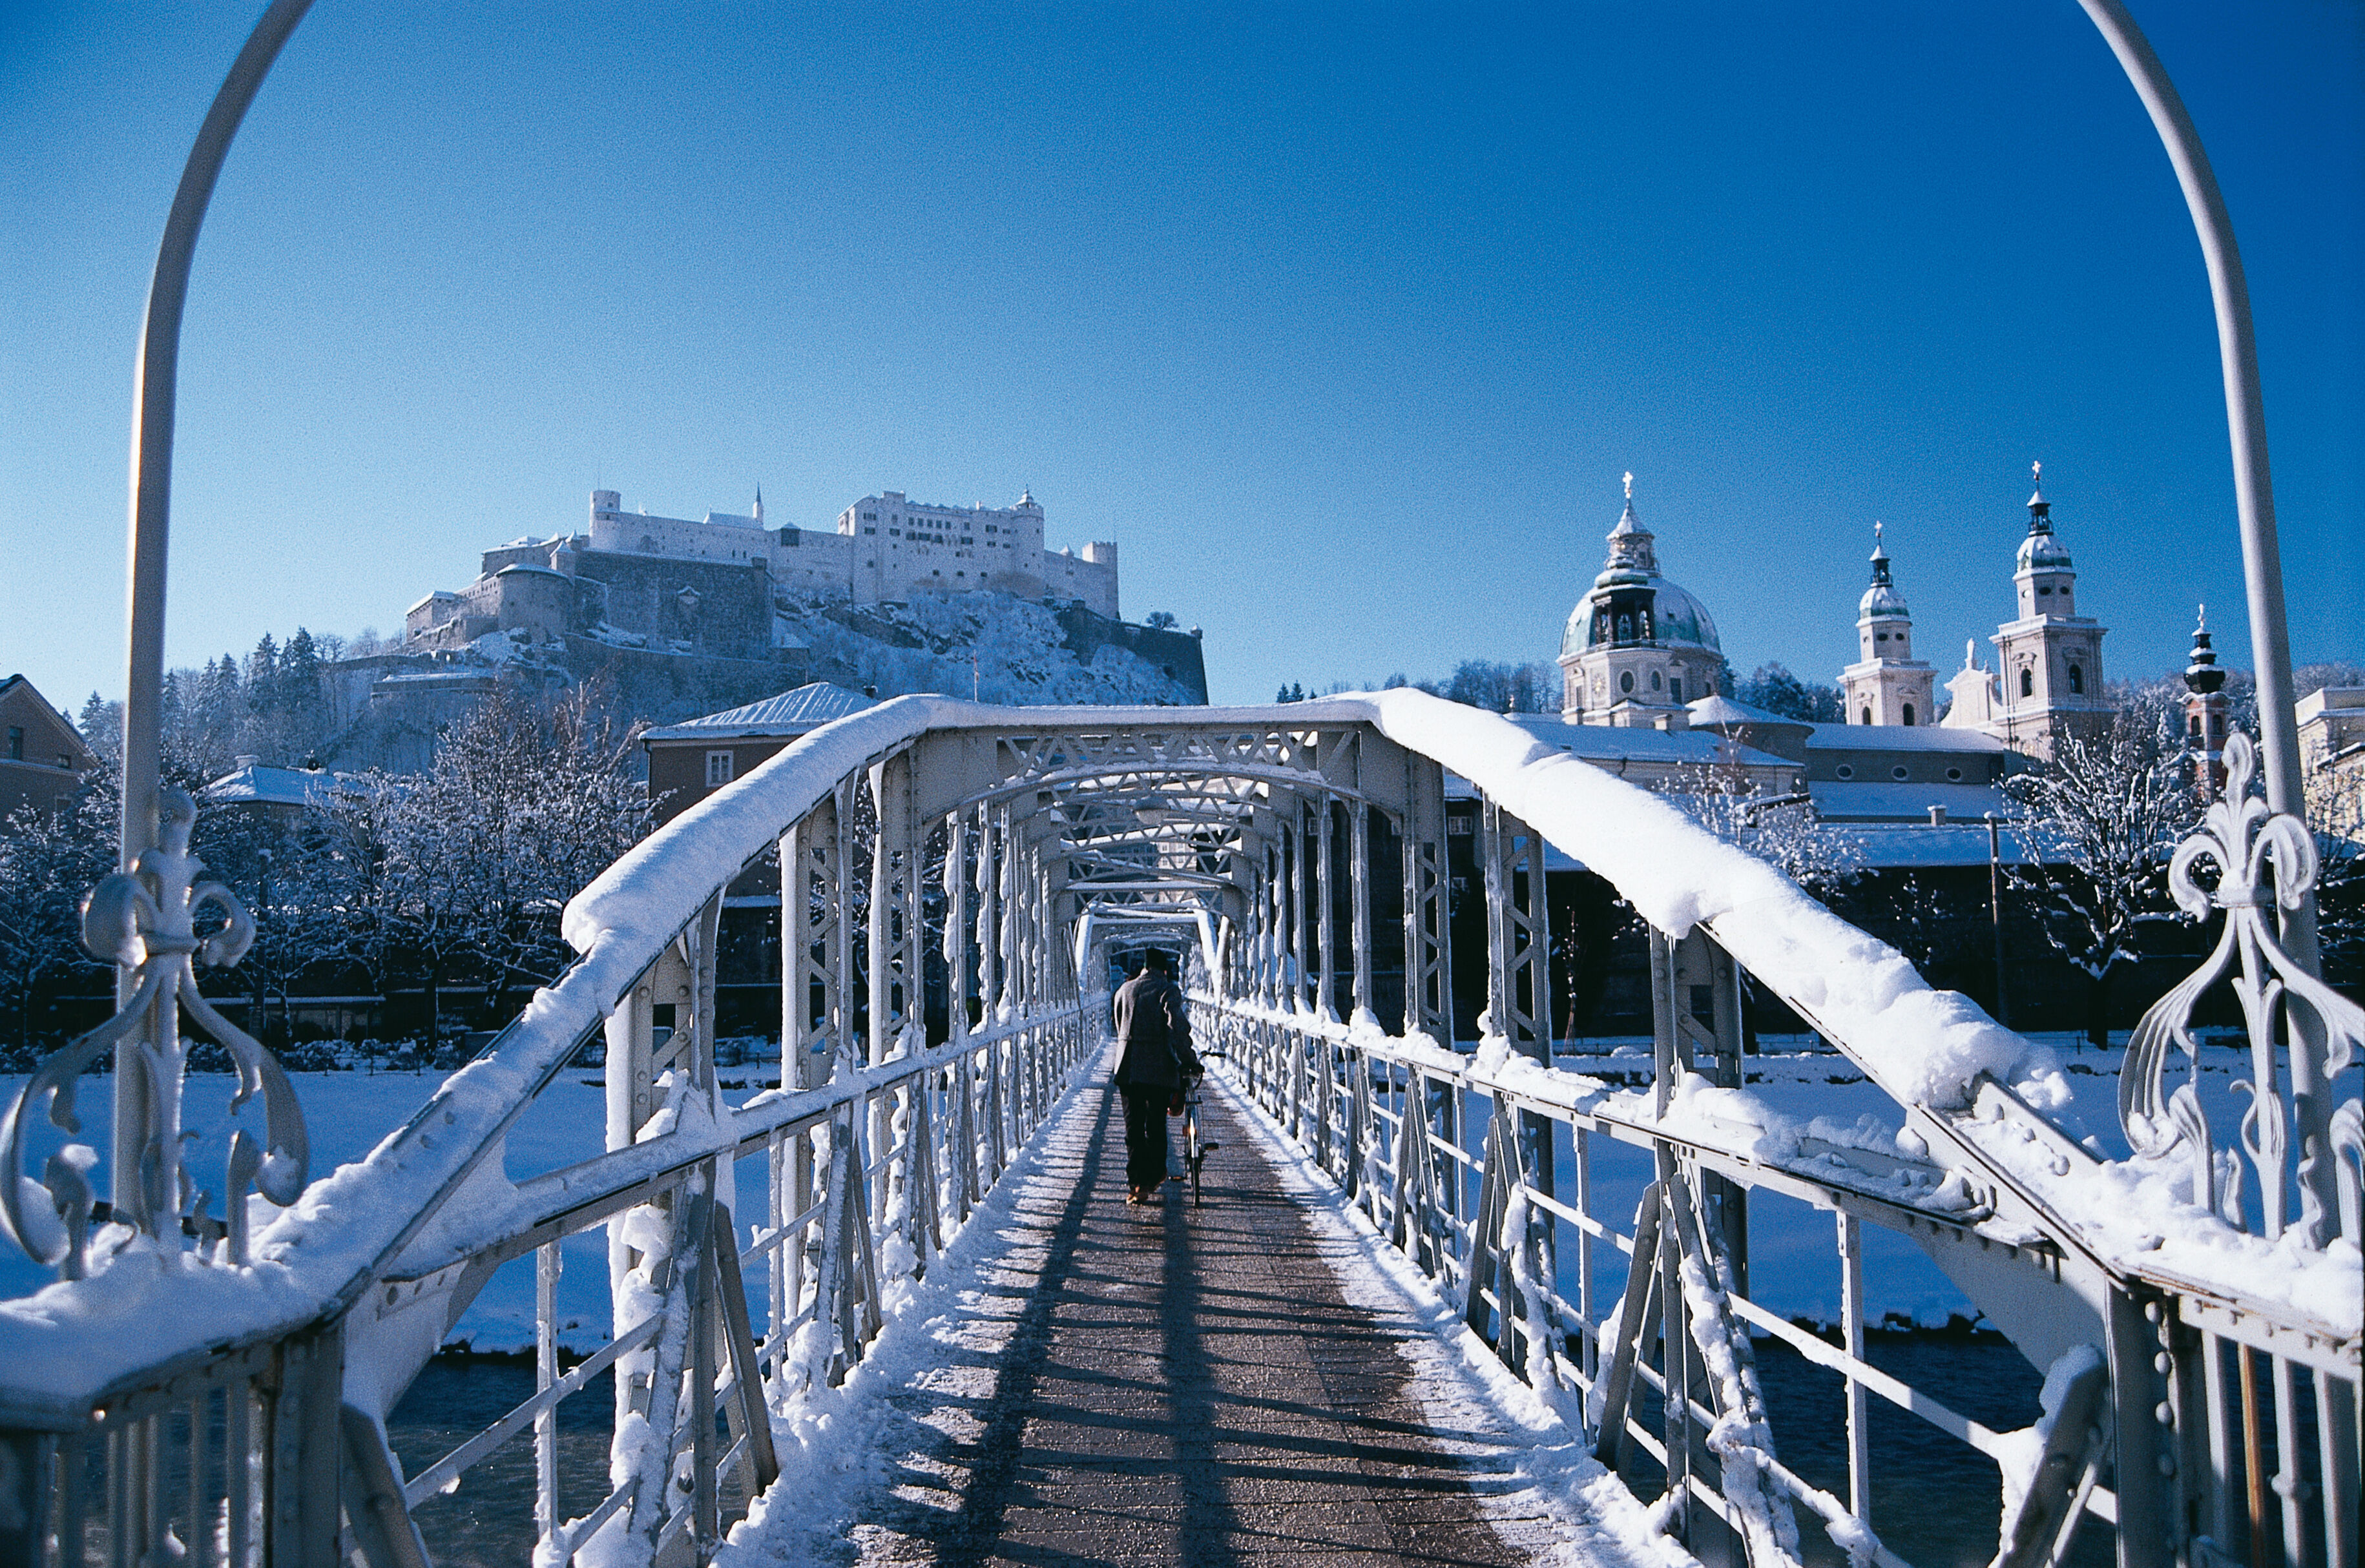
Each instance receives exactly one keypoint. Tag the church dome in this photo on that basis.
(1632, 603)
(2042, 553)
(1882, 600)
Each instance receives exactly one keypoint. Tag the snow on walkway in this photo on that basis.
(1252, 1380)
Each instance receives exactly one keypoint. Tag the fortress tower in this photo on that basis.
(1887, 685)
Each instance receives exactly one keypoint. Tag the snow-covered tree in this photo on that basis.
(2335, 813)
(2105, 813)
(1774, 689)
(1782, 831)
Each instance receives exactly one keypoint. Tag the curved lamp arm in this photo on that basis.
(2245, 418)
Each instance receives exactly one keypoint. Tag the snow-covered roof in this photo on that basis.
(1679, 748)
(1837, 801)
(1901, 737)
(790, 713)
(440, 677)
(1717, 709)
(1901, 848)
(256, 785)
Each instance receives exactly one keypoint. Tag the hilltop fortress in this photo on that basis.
(708, 586)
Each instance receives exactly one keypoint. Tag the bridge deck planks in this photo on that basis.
(1186, 1386)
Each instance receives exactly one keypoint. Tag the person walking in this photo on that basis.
(1155, 1060)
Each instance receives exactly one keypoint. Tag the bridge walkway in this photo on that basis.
(1190, 1385)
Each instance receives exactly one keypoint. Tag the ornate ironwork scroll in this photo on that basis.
(2263, 857)
(145, 921)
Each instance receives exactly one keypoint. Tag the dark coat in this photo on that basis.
(1154, 1023)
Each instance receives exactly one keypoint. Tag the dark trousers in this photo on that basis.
(1145, 1132)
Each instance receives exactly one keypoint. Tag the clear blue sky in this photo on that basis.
(1344, 319)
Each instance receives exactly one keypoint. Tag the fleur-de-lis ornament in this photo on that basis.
(144, 920)
(2262, 858)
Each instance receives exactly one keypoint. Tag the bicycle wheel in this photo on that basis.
(1196, 1155)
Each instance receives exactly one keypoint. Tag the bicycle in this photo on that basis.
(1195, 1149)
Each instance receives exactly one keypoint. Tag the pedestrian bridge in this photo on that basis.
(210, 1375)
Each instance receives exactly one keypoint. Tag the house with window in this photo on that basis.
(45, 758)
(691, 761)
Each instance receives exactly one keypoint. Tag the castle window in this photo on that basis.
(719, 766)
(1898, 773)
(1954, 776)
(1909, 713)
(1625, 627)
(2045, 591)
(1866, 719)
(2077, 680)
(1844, 770)
(1676, 687)
(2027, 681)
(2192, 725)
(16, 743)
(1626, 680)
(1655, 682)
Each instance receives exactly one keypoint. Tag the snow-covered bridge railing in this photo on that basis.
(228, 1399)
(2203, 1396)
(949, 881)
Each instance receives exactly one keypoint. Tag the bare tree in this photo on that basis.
(2335, 813)
(1781, 830)
(2105, 813)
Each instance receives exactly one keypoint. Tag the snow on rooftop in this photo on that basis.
(272, 787)
(1898, 847)
(1837, 801)
(1901, 737)
(1594, 741)
(791, 713)
(1717, 709)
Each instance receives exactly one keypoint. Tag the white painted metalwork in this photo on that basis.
(144, 920)
(1002, 845)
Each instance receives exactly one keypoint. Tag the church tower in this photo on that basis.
(1637, 647)
(1887, 685)
(2204, 714)
(2050, 658)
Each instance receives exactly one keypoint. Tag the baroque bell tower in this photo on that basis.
(2204, 714)
(2050, 659)
(1887, 685)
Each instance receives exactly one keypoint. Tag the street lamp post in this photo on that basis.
(2246, 420)
(153, 401)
